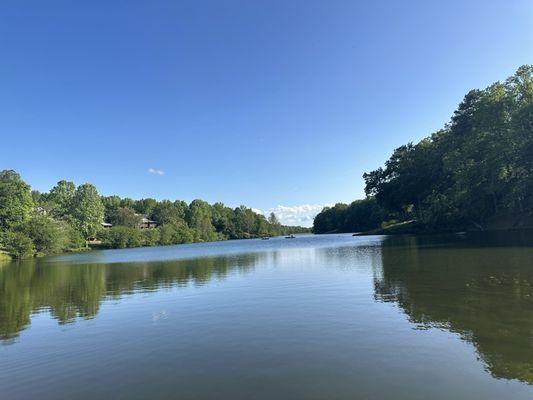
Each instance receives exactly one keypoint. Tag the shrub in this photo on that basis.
(175, 234)
(72, 238)
(122, 237)
(46, 235)
(167, 234)
(150, 237)
(18, 245)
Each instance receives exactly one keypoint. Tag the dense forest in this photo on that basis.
(476, 173)
(65, 218)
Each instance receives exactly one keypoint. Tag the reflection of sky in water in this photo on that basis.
(225, 248)
(258, 319)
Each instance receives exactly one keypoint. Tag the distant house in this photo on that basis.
(147, 223)
(41, 210)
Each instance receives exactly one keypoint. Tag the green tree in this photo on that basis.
(124, 216)
(15, 200)
(199, 220)
(474, 171)
(150, 237)
(244, 220)
(121, 237)
(166, 212)
(175, 234)
(87, 210)
(111, 205)
(18, 244)
(145, 206)
(61, 197)
(46, 235)
(273, 220)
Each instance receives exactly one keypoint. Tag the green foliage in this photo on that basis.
(73, 240)
(361, 215)
(4, 257)
(199, 219)
(18, 245)
(167, 234)
(183, 234)
(124, 216)
(273, 220)
(167, 212)
(150, 237)
(477, 168)
(15, 200)
(64, 218)
(111, 205)
(37, 197)
(60, 198)
(175, 234)
(127, 202)
(122, 237)
(46, 235)
(87, 210)
(145, 206)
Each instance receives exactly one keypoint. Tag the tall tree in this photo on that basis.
(15, 200)
(273, 220)
(199, 219)
(87, 210)
(474, 170)
(145, 206)
(166, 212)
(125, 216)
(61, 196)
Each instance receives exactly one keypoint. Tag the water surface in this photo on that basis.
(316, 317)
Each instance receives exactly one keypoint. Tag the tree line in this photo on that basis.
(66, 217)
(475, 173)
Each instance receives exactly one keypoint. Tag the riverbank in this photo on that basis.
(401, 228)
(99, 245)
(500, 223)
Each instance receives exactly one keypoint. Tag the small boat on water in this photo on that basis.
(291, 236)
(265, 238)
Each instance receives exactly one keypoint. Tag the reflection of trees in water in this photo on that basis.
(484, 294)
(76, 291)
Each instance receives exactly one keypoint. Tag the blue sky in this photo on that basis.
(263, 103)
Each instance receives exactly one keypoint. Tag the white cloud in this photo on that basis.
(302, 215)
(156, 171)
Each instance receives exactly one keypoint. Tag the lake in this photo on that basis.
(316, 317)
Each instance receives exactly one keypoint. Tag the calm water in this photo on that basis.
(316, 317)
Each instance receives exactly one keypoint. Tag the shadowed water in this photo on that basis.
(317, 317)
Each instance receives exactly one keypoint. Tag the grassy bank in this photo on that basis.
(401, 228)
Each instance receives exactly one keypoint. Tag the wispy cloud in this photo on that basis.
(302, 215)
(156, 171)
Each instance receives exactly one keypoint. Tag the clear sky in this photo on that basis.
(262, 103)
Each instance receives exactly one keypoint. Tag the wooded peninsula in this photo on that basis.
(476, 173)
(70, 217)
